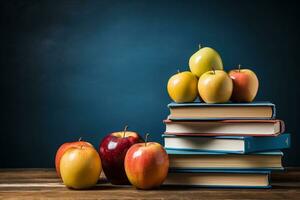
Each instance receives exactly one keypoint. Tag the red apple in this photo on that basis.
(146, 165)
(63, 148)
(112, 151)
(245, 85)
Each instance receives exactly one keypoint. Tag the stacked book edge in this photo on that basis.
(224, 145)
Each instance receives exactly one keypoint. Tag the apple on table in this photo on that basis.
(63, 148)
(146, 164)
(245, 85)
(112, 151)
(80, 167)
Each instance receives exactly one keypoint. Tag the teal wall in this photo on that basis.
(75, 69)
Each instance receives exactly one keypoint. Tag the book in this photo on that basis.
(228, 144)
(223, 111)
(182, 160)
(219, 178)
(225, 127)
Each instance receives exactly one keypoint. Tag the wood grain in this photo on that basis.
(44, 184)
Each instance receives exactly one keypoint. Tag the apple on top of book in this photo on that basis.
(182, 87)
(203, 60)
(245, 84)
(214, 84)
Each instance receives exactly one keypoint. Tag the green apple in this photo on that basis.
(203, 60)
(215, 86)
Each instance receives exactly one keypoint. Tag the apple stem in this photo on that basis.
(239, 67)
(79, 139)
(125, 129)
(178, 71)
(199, 46)
(146, 138)
(213, 69)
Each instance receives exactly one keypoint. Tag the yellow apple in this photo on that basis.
(215, 86)
(63, 148)
(80, 167)
(203, 60)
(182, 87)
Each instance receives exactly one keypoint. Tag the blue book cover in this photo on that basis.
(229, 104)
(195, 173)
(245, 144)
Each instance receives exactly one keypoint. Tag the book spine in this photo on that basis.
(274, 112)
(254, 144)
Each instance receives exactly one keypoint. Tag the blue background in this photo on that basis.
(75, 69)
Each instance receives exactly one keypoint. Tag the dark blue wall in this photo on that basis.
(75, 69)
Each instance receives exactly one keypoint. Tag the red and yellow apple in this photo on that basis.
(63, 148)
(112, 151)
(146, 165)
(215, 86)
(203, 60)
(182, 87)
(245, 85)
(80, 167)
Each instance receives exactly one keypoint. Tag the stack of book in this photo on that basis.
(224, 145)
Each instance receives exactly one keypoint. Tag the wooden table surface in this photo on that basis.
(43, 183)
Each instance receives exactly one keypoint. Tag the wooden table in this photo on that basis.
(43, 183)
